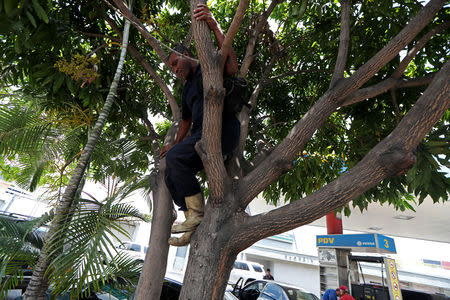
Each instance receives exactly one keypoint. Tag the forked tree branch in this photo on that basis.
(422, 42)
(384, 86)
(391, 157)
(248, 58)
(280, 160)
(244, 115)
(344, 41)
(395, 82)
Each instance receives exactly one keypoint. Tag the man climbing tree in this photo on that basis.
(182, 160)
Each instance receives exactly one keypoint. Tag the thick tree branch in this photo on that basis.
(152, 276)
(392, 156)
(248, 58)
(209, 147)
(344, 41)
(280, 160)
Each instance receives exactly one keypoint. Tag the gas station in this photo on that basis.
(338, 265)
(341, 257)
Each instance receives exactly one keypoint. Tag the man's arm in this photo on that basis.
(183, 129)
(203, 13)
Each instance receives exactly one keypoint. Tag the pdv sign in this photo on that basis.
(371, 242)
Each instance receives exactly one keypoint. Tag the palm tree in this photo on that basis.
(82, 246)
(39, 281)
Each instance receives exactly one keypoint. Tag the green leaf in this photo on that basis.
(347, 211)
(408, 206)
(10, 5)
(70, 86)
(58, 82)
(31, 18)
(40, 11)
(17, 47)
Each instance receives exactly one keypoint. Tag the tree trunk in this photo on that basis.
(39, 284)
(151, 279)
(212, 251)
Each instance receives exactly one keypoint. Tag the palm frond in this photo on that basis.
(20, 245)
(93, 230)
(123, 271)
(21, 130)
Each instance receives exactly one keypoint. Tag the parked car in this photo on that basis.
(134, 250)
(170, 291)
(420, 295)
(271, 290)
(172, 287)
(247, 270)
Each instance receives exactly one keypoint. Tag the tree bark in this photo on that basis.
(209, 147)
(211, 256)
(38, 284)
(344, 42)
(155, 263)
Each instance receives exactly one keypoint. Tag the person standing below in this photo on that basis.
(344, 293)
(182, 160)
(268, 276)
(331, 294)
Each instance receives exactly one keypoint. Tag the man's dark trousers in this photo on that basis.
(183, 162)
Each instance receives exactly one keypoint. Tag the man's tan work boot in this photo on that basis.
(182, 240)
(194, 214)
